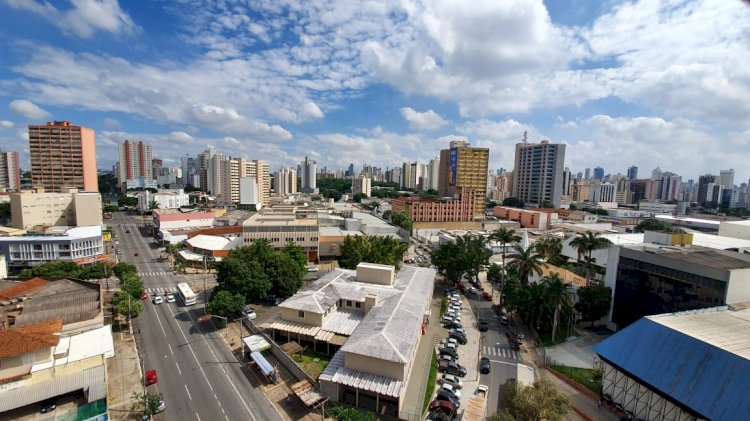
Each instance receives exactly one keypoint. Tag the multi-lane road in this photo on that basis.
(199, 376)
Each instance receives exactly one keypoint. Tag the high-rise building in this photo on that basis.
(726, 178)
(706, 188)
(10, 173)
(599, 173)
(230, 175)
(566, 182)
(286, 181)
(633, 172)
(670, 186)
(538, 173)
(308, 176)
(362, 184)
(433, 173)
(656, 173)
(587, 173)
(464, 166)
(135, 162)
(63, 155)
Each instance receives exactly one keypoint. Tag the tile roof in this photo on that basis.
(26, 288)
(22, 340)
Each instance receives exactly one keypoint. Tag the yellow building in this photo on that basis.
(34, 208)
(464, 166)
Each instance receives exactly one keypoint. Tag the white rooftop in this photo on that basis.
(209, 242)
(81, 346)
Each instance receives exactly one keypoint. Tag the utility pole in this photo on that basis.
(205, 284)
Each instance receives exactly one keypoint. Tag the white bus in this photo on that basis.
(186, 294)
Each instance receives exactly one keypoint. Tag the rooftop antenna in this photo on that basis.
(525, 136)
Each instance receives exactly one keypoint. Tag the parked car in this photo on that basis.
(473, 291)
(249, 312)
(460, 337)
(451, 379)
(451, 324)
(483, 325)
(450, 367)
(449, 345)
(144, 295)
(452, 352)
(135, 254)
(458, 330)
(441, 407)
(444, 395)
(273, 300)
(448, 341)
(451, 389)
(450, 358)
(151, 377)
(484, 365)
(161, 406)
(504, 320)
(487, 296)
(49, 405)
(127, 231)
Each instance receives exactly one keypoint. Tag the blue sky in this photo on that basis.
(646, 83)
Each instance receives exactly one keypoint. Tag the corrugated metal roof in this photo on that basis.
(91, 379)
(336, 372)
(698, 359)
(292, 327)
(343, 322)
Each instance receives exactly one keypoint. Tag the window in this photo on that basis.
(348, 303)
(301, 314)
(358, 305)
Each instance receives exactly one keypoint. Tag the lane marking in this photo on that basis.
(158, 319)
(178, 368)
(195, 357)
(197, 416)
(170, 349)
(188, 392)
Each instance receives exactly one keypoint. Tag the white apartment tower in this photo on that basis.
(10, 173)
(362, 184)
(538, 173)
(286, 182)
(309, 184)
(134, 163)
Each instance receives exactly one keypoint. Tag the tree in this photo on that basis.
(53, 270)
(382, 250)
(122, 268)
(449, 260)
(285, 274)
(344, 413)
(357, 198)
(585, 244)
(558, 294)
(495, 277)
(125, 305)
(145, 403)
(533, 304)
(504, 236)
(475, 254)
(387, 215)
(541, 401)
(653, 224)
(153, 205)
(402, 219)
(244, 277)
(132, 284)
(331, 194)
(593, 302)
(110, 208)
(549, 248)
(526, 262)
(225, 303)
(513, 202)
(127, 201)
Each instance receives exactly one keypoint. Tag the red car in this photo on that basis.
(487, 296)
(151, 377)
(144, 295)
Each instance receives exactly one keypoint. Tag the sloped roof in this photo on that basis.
(699, 359)
(70, 300)
(209, 242)
(22, 340)
(26, 288)
(391, 329)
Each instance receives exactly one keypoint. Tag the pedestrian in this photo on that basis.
(599, 404)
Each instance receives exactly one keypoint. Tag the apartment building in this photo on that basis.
(285, 182)
(459, 209)
(10, 173)
(135, 163)
(63, 155)
(229, 173)
(163, 199)
(36, 208)
(464, 166)
(538, 173)
(362, 185)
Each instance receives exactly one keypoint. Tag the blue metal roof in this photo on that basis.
(701, 377)
(265, 367)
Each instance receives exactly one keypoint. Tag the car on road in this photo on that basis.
(472, 291)
(144, 295)
(482, 325)
(127, 231)
(170, 298)
(161, 406)
(484, 365)
(157, 300)
(135, 254)
(460, 337)
(504, 320)
(450, 367)
(151, 377)
(451, 389)
(49, 405)
(452, 380)
(487, 296)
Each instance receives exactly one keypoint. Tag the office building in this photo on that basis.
(164, 199)
(446, 209)
(30, 209)
(462, 166)
(670, 187)
(285, 182)
(633, 172)
(280, 225)
(599, 173)
(706, 188)
(538, 173)
(433, 173)
(135, 162)
(587, 173)
(309, 184)
(726, 178)
(362, 185)
(63, 155)
(10, 172)
(603, 193)
(82, 245)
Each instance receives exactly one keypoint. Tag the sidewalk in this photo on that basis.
(123, 377)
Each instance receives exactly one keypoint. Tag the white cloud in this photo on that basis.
(84, 18)
(428, 120)
(28, 109)
(5, 124)
(111, 123)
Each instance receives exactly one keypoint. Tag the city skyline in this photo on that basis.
(282, 83)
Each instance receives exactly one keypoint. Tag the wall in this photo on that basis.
(88, 209)
(735, 230)
(373, 365)
(468, 225)
(292, 315)
(738, 287)
(21, 364)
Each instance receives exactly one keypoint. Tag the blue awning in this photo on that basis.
(265, 367)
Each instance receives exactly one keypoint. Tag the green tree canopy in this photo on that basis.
(127, 201)
(132, 284)
(513, 202)
(244, 277)
(526, 262)
(381, 250)
(225, 304)
(357, 198)
(449, 260)
(121, 269)
(402, 219)
(126, 305)
(653, 224)
(542, 401)
(593, 301)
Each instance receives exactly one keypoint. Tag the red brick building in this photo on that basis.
(420, 209)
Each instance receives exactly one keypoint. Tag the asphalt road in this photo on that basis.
(199, 376)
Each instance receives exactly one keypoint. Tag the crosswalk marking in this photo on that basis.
(142, 274)
(162, 290)
(501, 352)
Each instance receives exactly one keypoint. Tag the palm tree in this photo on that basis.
(504, 236)
(533, 304)
(558, 294)
(549, 247)
(585, 244)
(526, 262)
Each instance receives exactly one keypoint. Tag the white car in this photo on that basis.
(452, 389)
(249, 312)
(170, 298)
(448, 341)
(448, 345)
(158, 299)
(451, 380)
